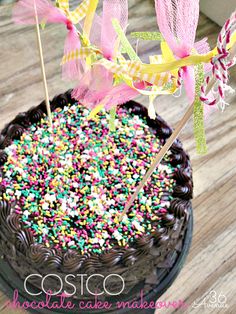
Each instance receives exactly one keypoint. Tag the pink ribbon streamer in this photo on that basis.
(116, 95)
(177, 21)
(112, 9)
(24, 13)
(96, 85)
(121, 94)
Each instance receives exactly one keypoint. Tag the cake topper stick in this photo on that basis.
(169, 143)
(42, 66)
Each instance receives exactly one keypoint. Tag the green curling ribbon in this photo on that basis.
(112, 119)
(127, 48)
(148, 36)
(198, 117)
(43, 25)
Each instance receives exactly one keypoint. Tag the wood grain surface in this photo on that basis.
(212, 259)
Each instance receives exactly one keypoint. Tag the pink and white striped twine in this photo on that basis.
(220, 66)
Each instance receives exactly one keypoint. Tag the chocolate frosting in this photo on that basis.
(183, 191)
(149, 250)
(39, 254)
(36, 115)
(3, 157)
(4, 141)
(179, 207)
(13, 222)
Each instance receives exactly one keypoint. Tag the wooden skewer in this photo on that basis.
(168, 144)
(159, 158)
(42, 66)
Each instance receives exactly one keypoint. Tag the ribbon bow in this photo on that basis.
(177, 21)
(78, 14)
(96, 85)
(108, 67)
(24, 13)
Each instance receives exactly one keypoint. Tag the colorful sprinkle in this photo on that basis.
(70, 185)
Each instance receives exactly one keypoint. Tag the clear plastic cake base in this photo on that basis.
(147, 292)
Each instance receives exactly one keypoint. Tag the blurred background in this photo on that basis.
(217, 10)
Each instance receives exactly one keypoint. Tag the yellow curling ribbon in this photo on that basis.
(95, 111)
(81, 53)
(89, 17)
(167, 84)
(78, 14)
(88, 25)
(168, 56)
(129, 73)
(174, 65)
(187, 61)
(137, 70)
(161, 73)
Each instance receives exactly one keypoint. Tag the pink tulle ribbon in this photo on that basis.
(177, 21)
(112, 9)
(24, 13)
(121, 94)
(96, 86)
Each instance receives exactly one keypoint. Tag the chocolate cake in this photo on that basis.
(62, 191)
